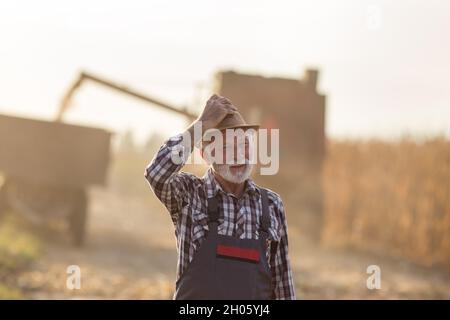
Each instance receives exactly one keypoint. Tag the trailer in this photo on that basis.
(47, 167)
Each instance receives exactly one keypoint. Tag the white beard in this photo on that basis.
(239, 177)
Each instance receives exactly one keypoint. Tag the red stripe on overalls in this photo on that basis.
(237, 252)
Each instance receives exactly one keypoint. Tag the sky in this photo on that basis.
(384, 65)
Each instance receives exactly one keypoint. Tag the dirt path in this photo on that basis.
(130, 255)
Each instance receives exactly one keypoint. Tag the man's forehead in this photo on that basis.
(229, 135)
(237, 134)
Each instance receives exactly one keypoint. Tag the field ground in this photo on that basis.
(130, 254)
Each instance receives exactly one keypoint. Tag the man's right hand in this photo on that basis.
(216, 109)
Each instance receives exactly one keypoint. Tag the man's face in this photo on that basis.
(234, 164)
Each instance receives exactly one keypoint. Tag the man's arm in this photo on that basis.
(163, 175)
(164, 178)
(280, 263)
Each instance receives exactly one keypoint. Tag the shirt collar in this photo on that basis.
(212, 187)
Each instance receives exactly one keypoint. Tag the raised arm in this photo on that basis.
(163, 173)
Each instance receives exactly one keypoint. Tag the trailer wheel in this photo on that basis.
(78, 218)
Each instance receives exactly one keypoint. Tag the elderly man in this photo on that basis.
(231, 234)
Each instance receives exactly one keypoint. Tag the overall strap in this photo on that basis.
(213, 214)
(265, 218)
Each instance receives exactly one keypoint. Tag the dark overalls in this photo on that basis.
(226, 267)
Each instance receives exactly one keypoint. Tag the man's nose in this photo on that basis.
(241, 154)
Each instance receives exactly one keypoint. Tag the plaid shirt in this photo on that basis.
(185, 197)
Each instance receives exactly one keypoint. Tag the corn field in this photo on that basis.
(391, 198)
